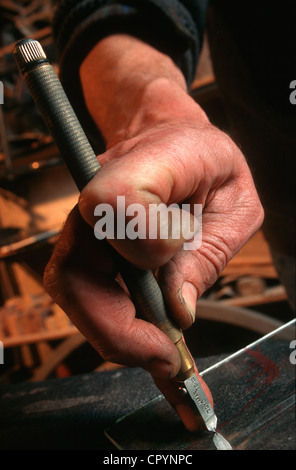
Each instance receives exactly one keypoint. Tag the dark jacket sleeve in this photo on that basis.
(175, 27)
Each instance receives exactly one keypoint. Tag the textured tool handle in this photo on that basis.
(62, 123)
(58, 114)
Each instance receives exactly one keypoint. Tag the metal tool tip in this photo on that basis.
(211, 423)
(28, 51)
(221, 443)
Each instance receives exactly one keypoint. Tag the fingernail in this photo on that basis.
(189, 295)
(160, 369)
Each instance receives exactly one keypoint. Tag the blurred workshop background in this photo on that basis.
(37, 193)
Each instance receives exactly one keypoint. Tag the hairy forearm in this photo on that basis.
(129, 86)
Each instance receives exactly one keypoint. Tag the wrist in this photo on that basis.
(163, 103)
(129, 86)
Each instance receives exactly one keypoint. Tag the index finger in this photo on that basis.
(82, 279)
(182, 404)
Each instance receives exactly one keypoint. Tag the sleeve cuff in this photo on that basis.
(165, 24)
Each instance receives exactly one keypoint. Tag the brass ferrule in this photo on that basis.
(187, 363)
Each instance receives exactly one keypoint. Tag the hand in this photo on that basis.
(169, 153)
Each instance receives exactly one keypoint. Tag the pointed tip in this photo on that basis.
(211, 423)
(221, 443)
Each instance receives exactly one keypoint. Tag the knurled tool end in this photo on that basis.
(28, 52)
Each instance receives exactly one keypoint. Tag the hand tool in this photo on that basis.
(82, 163)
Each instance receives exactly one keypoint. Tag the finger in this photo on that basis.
(229, 219)
(80, 277)
(159, 170)
(180, 402)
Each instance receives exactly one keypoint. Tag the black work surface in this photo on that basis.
(73, 413)
(254, 396)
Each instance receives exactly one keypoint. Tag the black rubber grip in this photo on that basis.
(148, 298)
